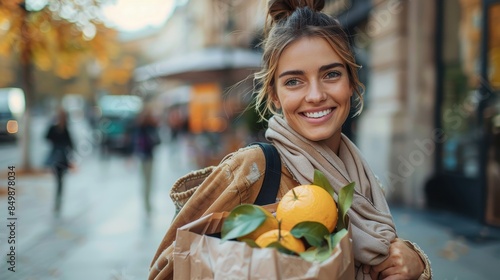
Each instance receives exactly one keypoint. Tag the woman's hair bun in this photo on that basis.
(281, 9)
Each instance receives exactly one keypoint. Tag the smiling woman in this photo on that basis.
(306, 82)
(130, 16)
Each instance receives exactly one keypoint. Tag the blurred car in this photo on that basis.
(12, 105)
(117, 116)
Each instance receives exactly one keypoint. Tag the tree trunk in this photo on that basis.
(27, 84)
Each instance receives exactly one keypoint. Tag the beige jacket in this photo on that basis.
(236, 180)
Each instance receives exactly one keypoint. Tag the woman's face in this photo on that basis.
(313, 90)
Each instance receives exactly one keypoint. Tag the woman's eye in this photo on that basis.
(291, 82)
(333, 74)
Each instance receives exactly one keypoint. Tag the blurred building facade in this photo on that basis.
(394, 41)
(207, 58)
(431, 123)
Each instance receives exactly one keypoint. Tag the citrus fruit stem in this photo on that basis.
(279, 230)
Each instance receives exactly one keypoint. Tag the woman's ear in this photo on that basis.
(274, 98)
(276, 103)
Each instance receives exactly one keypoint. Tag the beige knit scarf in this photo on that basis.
(371, 220)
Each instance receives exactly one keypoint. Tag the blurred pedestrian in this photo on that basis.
(177, 121)
(59, 159)
(145, 138)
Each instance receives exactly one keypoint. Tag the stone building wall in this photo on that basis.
(395, 132)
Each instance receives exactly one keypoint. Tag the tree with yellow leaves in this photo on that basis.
(56, 35)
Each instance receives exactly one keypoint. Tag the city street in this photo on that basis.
(103, 232)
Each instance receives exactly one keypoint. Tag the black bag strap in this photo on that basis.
(272, 175)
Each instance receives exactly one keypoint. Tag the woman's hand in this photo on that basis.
(402, 263)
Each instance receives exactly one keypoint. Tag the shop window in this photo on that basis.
(492, 117)
(494, 47)
(461, 98)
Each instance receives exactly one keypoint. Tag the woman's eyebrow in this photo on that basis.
(321, 69)
(330, 66)
(291, 73)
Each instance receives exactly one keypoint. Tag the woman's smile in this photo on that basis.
(318, 114)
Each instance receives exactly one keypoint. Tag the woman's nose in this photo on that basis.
(315, 93)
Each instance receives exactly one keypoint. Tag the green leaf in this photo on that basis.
(282, 249)
(345, 200)
(242, 220)
(316, 254)
(315, 233)
(250, 243)
(323, 253)
(310, 254)
(321, 181)
(335, 238)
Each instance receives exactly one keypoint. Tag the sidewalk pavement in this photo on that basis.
(458, 248)
(103, 232)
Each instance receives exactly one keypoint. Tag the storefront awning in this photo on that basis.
(204, 65)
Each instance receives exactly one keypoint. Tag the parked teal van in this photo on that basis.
(12, 106)
(117, 115)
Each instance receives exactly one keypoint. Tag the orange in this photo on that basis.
(286, 239)
(307, 203)
(269, 223)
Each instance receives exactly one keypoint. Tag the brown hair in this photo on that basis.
(289, 21)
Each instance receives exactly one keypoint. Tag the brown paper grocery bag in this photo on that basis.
(198, 256)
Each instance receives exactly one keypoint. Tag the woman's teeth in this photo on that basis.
(319, 114)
